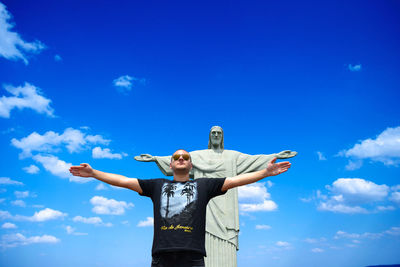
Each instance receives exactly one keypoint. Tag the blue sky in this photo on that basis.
(100, 82)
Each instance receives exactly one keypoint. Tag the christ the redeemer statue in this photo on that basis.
(222, 226)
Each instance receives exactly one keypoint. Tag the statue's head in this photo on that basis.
(216, 137)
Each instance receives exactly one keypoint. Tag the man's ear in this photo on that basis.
(170, 165)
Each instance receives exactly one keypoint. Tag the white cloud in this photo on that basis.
(385, 208)
(54, 165)
(347, 195)
(354, 67)
(384, 148)
(74, 140)
(317, 250)
(254, 192)
(395, 231)
(283, 244)
(267, 205)
(395, 197)
(8, 225)
(263, 227)
(14, 240)
(32, 169)
(341, 234)
(105, 153)
(72, 231)
(12, 46)
(40, 216)
(4, 215)
(57, 58)
(255, 197)
(356, 190)
(148, 222)
(101, 187)
(321, 156)
(58, 168)
(314, 240)
(47, 215)
(354, 165)
(8, 181)
(23, 194)
(103, 205)
(124, 83)
(26, 96)
(19, 203)
(91, 220)
(341, 208)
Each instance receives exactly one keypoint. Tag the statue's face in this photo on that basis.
(216, 136)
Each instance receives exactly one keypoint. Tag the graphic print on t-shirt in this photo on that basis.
(178, 200)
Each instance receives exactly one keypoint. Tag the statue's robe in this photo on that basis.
(222, 225)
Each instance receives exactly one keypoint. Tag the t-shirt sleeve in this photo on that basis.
(147, 187)
(214, 187)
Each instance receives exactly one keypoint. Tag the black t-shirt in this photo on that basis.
(180, 212)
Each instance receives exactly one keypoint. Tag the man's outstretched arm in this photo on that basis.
(252, 177)
(85, 170)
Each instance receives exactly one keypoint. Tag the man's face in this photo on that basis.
(216, 136)
(181, 161)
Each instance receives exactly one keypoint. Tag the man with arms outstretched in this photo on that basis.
(180, 206)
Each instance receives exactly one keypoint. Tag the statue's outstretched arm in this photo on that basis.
(145, 158)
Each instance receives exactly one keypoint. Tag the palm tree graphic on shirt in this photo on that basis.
(169, 192)
(177, 198)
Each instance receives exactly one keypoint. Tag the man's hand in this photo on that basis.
(252, 177)
(277, 168)
(84, 170)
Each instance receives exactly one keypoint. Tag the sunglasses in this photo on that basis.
(184, 156)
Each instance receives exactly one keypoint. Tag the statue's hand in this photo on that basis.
(285, 154)
(145, 158)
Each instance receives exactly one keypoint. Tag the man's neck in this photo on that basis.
(181, 177)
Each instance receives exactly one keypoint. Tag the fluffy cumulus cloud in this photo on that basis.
(103, 205)
(8, 181)
(148, 222)
(91, 220)
(255, 197)
(32, 169)
(58, 168)
(99, 153)
(25, 97)
(384, 148)
(74, 140)
(54, 165)
(18, 239)
(46, 215)
(39, 216)
(355, 195)
(12, 46)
